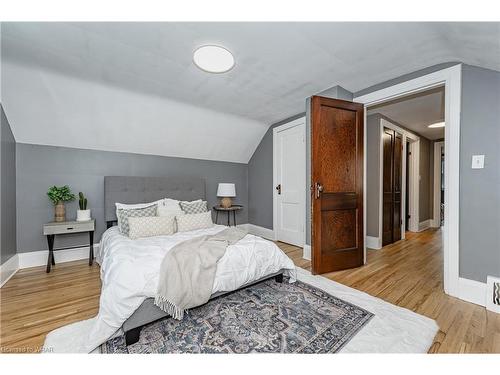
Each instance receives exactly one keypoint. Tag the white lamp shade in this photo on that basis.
(226, 190)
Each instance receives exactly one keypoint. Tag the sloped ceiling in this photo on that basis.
(416, 112)
(133, 87)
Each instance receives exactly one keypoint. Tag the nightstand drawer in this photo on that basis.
(68, 227)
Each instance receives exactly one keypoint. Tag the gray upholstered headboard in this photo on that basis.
(125, 189)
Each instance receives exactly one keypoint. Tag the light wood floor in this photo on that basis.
(408, 274)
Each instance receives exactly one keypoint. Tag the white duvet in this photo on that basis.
(130, 271)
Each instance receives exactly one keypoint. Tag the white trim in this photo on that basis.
(424, 225)
(373, 242)
(268, 234)
(451, 79)
(39, 258)
(306, 252)
(297, 122)
(414, 178)
(8, 269)
(414, 189)
(472, 291)
(489, 294)
(436, 205)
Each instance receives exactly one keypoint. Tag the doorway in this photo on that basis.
(289, 174)
(450, 79)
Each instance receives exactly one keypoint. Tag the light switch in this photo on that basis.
(477, 161)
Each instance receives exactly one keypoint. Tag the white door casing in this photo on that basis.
(289, 171)
(451, 78)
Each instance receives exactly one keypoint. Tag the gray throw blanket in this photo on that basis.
(187, 272)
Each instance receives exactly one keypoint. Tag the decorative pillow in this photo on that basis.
(124, 206)
(194, 221)
(170, 206)
(123, 216)
(149, 226)
(195, 207)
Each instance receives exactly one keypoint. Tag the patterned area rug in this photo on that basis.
(269, 317)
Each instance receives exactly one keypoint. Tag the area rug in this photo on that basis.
(268, 317)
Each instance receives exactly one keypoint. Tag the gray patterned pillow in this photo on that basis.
(196, 207)
(123, 215)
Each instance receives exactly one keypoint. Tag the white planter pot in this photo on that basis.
(82, 215)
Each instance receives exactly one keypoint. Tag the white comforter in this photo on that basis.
(130, 271)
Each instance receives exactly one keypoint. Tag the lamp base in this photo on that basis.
(226, 202)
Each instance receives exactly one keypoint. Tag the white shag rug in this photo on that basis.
(393, 329)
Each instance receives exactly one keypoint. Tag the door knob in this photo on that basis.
(318, 188)
(278, 187)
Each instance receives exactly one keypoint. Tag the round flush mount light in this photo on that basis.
(213, 59)
(437, 125)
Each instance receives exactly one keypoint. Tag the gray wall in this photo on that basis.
(373, 177)
(39, 167)
(8, 190)
(372, 174)
(260, 179)
(480, 188)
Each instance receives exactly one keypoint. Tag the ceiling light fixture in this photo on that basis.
(437, 125)
(213, 59)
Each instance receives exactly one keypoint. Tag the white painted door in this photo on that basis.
(290, 182)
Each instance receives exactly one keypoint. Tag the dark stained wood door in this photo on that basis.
(392, 184)
(336, 184)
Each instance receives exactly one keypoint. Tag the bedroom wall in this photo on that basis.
(39, 167)
(260, 179)
(8, 190)
(479, 188)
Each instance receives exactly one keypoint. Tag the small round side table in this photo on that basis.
(232, 209)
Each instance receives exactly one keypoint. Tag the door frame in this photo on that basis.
(300, 122)
(414, 170)
(451, 79)
(436, 204)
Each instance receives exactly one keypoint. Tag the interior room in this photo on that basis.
(263, 187)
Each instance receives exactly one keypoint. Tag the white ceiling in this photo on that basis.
(277, 66)
(416, 112)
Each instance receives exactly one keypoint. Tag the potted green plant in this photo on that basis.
(82, 214)
(58, 195)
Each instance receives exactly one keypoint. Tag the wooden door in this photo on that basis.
(392, 183)
(336, 184)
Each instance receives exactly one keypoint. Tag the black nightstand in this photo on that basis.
(232, 209)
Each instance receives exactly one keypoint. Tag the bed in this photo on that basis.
(250, 261)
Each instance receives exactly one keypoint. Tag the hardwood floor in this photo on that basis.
(407, 273)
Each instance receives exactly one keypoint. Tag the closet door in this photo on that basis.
(391, 185)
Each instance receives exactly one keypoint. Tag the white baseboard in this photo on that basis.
(39, 258)
(424, 225)
(8, 269)
(373, 242)
(306, 252)
(472, 291)
(260, 231)
(435, 223)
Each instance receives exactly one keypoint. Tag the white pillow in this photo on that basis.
(124, 206)
(171, 205)
(150, 226)
(195, 221)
